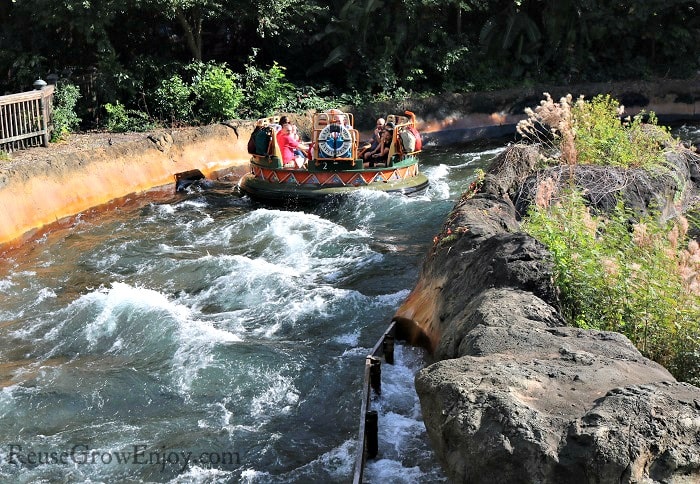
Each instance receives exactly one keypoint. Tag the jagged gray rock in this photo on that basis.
(516, 395)
(665, 191)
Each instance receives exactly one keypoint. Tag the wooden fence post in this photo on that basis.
(372, 433)
(39, 85)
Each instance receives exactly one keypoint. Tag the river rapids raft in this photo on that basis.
(333, 162)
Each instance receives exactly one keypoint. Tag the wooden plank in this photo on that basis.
(15, 128)
(3, 123)
(42, 120)
(21, 118)
(26, 96)
(378, 348)
(25, 136)
(22, 123)
(360, 457)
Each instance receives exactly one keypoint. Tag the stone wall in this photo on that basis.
(41, 192)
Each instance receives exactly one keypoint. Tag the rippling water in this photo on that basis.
(205, 338)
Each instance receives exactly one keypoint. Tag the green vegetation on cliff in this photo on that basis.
(642, 281)
(617, 271)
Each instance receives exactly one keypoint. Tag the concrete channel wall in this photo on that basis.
(37, 194)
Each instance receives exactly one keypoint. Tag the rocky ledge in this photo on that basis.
(515, 394)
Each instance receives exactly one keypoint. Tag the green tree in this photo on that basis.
(512, 33)
(119, 50)
(173, 100)
(46, 30)
(120, 119)
(266, 91)
(344, 50)
(217, 90)
(190, 16)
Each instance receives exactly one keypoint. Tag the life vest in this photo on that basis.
(411, 140)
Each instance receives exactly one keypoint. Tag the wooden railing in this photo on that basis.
(25, 119)
(368, 433)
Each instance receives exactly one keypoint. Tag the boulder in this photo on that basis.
(514, 394)
(524, 408)
(665, 191)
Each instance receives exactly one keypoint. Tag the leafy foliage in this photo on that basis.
(121, 120)
(65, 120)
(592, 132)
(640, 278)
(513, 32)
(173, 100)
(266, 91)
(601, 137)
(217, 91)
(642, 281)
(310, 97)
(23, 67)
(366, 46)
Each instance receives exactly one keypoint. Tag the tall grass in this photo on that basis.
(595, 132)
(641, 280)
(616, 271)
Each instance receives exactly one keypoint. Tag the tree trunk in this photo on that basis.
(459, 21)
(193, 34)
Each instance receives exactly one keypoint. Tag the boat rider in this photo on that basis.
(381, 153)
(338, 117)
(288, 144)
(339, 121)
(295, 132)
(377, 133)
(376, 138)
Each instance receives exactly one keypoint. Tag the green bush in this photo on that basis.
(592, 132)
(617, 272)
(64, 118)
(601, 138)
(217, 92)
(214, 93)
(642, 282)
(173, 100)
(266, 92)
(120, 119)
(311, 98)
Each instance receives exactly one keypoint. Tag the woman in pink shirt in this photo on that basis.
(288, 142)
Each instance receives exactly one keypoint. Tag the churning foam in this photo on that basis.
(402, 438)
(124, 304)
